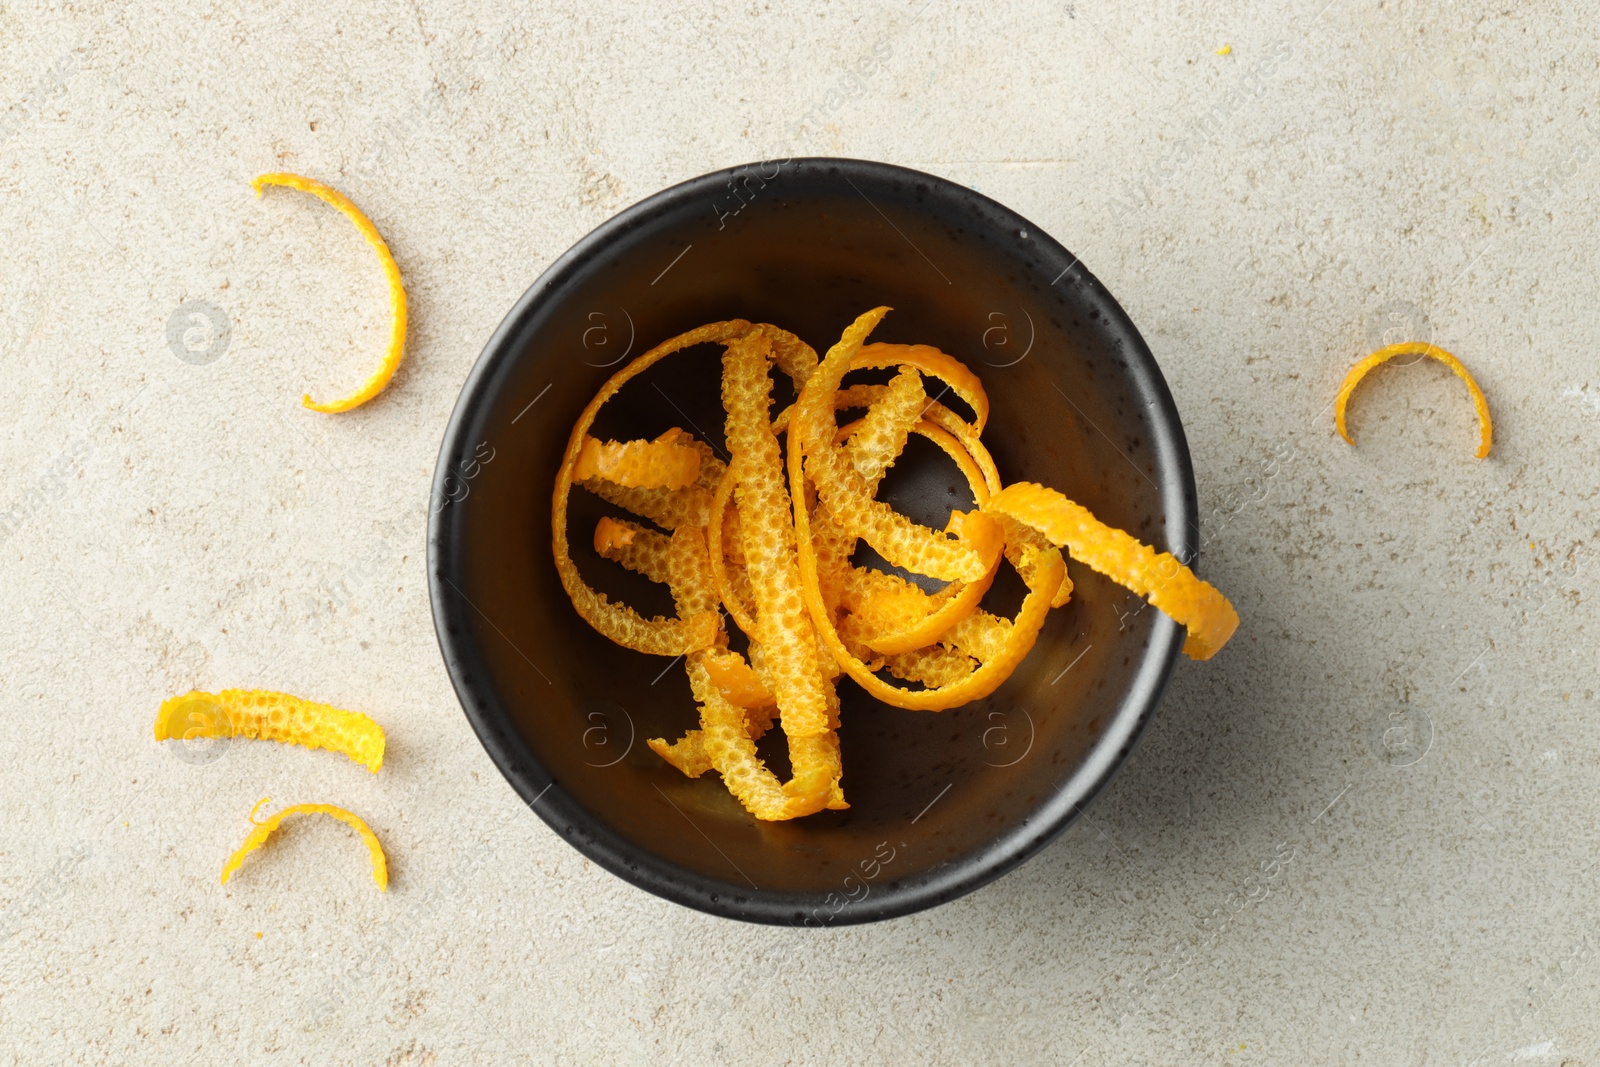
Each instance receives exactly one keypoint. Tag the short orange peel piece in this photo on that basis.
(265, 829)
(391, 272)
(668, 462)
(1416, 348)
(1157, 576)
(737, 680)
(269, 716)
(643, 551)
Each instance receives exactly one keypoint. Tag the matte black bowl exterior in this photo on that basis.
(941, 803)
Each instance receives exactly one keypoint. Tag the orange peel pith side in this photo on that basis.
(391, 272)
(1480, 403)
(265, 715)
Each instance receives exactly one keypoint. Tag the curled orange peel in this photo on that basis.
(1047, 574)
(620, 623)
(847, 493)
(929, 360)
(1416, 348)
(391, 272)
(261, 831)
(1157, 576)
(265, 715)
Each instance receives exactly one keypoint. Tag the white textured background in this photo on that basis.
(1269, 880)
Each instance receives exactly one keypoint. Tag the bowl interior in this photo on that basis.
(940, 802)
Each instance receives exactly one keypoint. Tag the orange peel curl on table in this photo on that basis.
(1480, 403)
(264, 829)
(391, 272)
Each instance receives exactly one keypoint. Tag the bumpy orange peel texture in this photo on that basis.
(269, 716)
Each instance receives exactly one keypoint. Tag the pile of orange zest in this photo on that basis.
(264, 829)
(391, 271)
(769, 536)
(668, 462)
(1416, 348)
(1157, 576)
(269, 716)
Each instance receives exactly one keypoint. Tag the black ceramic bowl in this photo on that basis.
(941, 803)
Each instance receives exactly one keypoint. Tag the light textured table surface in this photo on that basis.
(1275, 876)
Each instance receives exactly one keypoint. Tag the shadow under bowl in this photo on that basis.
(941, 803)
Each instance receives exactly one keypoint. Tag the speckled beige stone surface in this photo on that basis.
(1275, 877)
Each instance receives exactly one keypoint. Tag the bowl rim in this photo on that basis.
(472, 679)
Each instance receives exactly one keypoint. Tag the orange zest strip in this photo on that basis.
(1048, 573)
(782, 626)
(688, 753)
(263, 830)
(933, 667)
(1158, 577)
(963, 597)
(391, 271)
(1416, 348)
(668, 462)
(742, 616)
(667, 508)
(269, 716)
